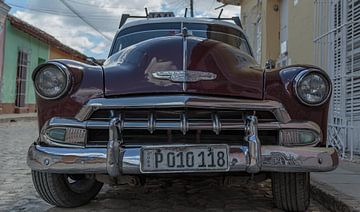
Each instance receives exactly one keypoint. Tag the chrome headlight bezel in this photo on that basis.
(59, 67)
(301, 76)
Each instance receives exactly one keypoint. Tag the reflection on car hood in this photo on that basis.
(175, 65)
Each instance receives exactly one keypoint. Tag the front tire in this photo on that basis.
(65, 190)
(291, 191)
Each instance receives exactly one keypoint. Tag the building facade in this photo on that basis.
(24, 49)
(337, 50)
(280, 30)
(4, 10)
(23, 52)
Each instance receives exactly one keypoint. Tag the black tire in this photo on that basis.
(65, 191)
(291, 191)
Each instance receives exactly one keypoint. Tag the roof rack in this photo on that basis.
(236, 20)
(125, 17)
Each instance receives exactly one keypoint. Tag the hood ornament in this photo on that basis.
(184, 76)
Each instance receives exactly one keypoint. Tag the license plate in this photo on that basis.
(197, 158)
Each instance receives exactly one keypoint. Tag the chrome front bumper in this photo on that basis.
(94, 160)
(117, 159)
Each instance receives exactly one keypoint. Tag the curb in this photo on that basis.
(16, 119)
(332, 199)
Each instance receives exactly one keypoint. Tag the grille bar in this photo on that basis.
(184, 125)
(182, 122)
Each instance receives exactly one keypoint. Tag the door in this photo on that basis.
(21, 79)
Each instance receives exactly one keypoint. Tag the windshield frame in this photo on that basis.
(174, 26)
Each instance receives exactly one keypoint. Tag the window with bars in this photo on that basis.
(346, 58)
(353, 59)
(337, 49)
(21, 77)
(337, 60)
(345, 46)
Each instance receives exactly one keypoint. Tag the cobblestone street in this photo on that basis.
(18, 194)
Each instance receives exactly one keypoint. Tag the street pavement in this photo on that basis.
(6, 118)
(18, 194)
(343, 184)
(345, 178)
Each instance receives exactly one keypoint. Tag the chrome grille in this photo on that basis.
(190, 125)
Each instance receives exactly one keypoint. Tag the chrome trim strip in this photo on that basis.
(186, 101)
(93, 160)
(184, 76)
(184, 33)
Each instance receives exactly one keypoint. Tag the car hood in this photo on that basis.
(179, 64)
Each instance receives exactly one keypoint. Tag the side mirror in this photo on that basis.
(270, 64)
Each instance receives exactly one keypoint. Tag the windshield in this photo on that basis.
(141, 33)
(137, 37)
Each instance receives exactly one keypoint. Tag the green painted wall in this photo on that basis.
(14, 41)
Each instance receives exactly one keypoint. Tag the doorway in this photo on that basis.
(21, 77)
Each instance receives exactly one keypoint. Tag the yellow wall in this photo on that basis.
(251, 11)
(58, 54)
(271, 31)
(301, 28)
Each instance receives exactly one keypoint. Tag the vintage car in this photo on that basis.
(179, 97)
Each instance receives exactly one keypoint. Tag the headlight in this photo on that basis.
(312, 87)
(52, 81)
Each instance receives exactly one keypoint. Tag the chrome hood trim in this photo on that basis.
(183, 101)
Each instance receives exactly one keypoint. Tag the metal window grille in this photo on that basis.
(21, 78)
(337, 50)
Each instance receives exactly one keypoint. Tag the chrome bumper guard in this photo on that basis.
(116, 159)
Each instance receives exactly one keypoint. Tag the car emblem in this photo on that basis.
(184, 76)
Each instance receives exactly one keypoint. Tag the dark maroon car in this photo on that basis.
(179, 97)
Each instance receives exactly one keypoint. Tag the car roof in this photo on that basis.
(180, 19)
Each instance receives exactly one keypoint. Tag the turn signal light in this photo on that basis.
(290, 137)
(74, 136)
